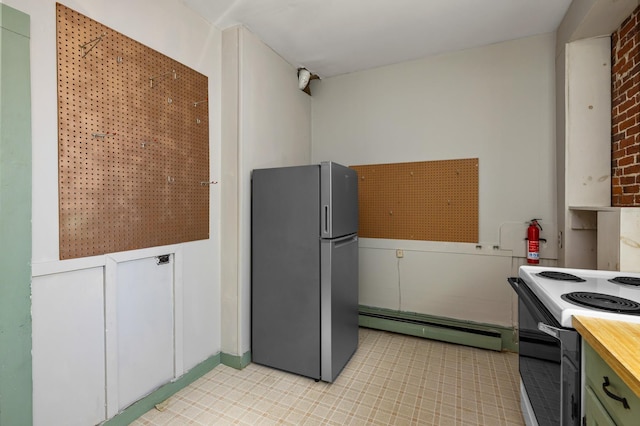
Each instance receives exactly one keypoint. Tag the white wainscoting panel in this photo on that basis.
(68, 348)
(452, 280)
(145, 329)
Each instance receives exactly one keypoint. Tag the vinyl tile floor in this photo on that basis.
(392, 379)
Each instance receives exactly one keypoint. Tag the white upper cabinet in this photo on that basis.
(588, 124)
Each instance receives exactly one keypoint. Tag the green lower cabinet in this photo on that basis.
(594, 411)
(608, 400)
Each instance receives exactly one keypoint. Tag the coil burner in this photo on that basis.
(635, 281)
(560, 276)
(603, 302)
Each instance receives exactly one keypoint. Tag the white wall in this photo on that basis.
(170, 28)
(495, 103)
(273, 130)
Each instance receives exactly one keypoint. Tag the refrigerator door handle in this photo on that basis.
(325, 213)
(343, 241)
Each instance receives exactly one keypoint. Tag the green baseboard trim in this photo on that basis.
(236, 361)
(140, 407)
(486, 336)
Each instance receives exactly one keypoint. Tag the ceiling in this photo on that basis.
(332, 37)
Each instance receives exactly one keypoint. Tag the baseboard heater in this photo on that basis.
(459, 334)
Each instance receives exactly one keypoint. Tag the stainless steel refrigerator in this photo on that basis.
(304, 275)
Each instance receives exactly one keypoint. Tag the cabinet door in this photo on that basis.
(594, 412)
(588, 161)
(68, 348)
(608, 236)
(629, 234)
(144, 313)
(610, 389)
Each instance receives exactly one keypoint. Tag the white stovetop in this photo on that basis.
(549, 292)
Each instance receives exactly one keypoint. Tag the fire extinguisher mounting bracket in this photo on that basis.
(544, 240)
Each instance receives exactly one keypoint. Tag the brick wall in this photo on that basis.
(625, 113)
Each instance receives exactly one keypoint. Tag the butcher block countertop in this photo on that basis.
(617, 342)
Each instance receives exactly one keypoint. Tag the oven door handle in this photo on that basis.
(550, 330)
(567, 337)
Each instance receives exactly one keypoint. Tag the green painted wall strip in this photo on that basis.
(404, 323)
(236, 361)
(147, 403)
(16, 398)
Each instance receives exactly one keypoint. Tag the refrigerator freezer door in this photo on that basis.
(286, 269)
(339, 200)
(339, 304)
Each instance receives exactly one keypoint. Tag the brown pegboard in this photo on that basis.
(133, 143)
(426, 200)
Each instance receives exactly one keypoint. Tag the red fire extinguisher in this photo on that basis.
(533, 242)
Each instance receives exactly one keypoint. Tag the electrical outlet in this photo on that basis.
(560, 239)
(399, 253)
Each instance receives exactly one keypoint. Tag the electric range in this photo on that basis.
(549, 348)
(568, 292)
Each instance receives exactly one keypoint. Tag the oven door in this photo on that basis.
(549, 363)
